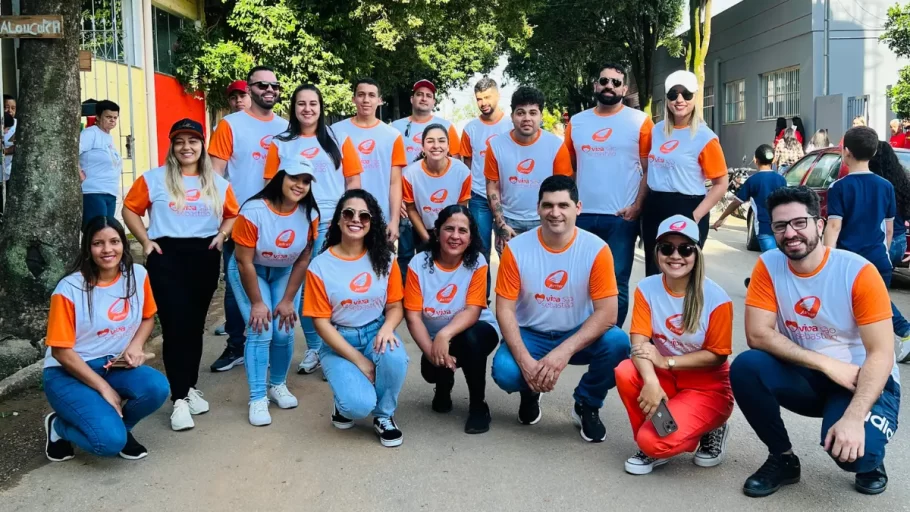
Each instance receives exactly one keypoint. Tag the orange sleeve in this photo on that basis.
(245, 232)
(454, 143)
(508, 282)
(399, 159)
(602, 282)
(712, 160)
(413, 296)
(315, 299)
(395, 290)
(760, 293)
(570, 146)
(350, 160)
(562, 164)
(641, 315)
(272, 162)
(231, 209)
(466, 149)
(407, 191)
(61, 323)
(477, 290)
(871, 302)
(222, 143)
(719, 336)
(465, 190)
(137, 200)
(644, 138)
(491, 167)
(149, 306)
(314, 231)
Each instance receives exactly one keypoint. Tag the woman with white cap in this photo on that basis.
(684, 153)
(274, 237)
(682, 334)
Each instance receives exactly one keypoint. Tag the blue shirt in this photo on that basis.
(757, 189)
(863, 201)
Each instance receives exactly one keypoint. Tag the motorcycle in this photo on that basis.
(736, 177)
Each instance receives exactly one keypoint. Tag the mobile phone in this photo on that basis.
(663, 421)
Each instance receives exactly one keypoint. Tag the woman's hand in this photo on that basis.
(134, 355)
(286, 314)
(112, 397)
(651, 396)
(385, 338)
(260, 317)
(649, 351)
(439, 352)
(368, 368)
(150, 246)
(217, 242)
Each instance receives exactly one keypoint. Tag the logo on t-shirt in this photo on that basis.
(264, 142)
(526, 166)
(602, 135)
(285, 238)
(361, 283)
(439, 196)
(446, 295)
(193, 194)
(366, 147)
(418, 138)
(669, 146)
(310, 153)
(557, 280)
(678, 226)
(808, 306)
(483, 152)
(119, 310)
(674, 324)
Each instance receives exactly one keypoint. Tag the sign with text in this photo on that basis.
(50, 26)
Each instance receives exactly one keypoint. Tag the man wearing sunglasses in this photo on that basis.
(818, 321)
(610, 144)
(238, 149)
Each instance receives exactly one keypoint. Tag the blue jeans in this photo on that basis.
(480, 210)
(766, 243)
(355, 396)
(233, 320)
(602, 357)
(86, 419)
(620, 235)
(313, 341)
(270, 351)
(97, 205)
(762, 384)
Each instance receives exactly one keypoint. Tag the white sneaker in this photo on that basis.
(281, 396)
(197, 404)
(181, 418)
(259, 413)
(641, 464)
(903, 354)
(713, 447)
(310, 363)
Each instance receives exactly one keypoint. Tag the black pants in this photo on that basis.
(659, 206)
(184, 278)
(470, 350)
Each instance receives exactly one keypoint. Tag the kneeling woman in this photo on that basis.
(353, 294)
(101, 311)
(445, 301)
(274, 236)
(682, 333)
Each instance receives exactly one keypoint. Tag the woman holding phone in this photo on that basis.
(682, 334)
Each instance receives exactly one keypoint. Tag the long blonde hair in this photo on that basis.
(670, 120)
(174, 181)
(694, 301)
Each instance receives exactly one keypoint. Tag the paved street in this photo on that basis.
(301, 462)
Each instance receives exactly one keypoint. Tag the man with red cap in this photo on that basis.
(238, 94)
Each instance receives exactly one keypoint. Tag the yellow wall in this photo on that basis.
(187, 8)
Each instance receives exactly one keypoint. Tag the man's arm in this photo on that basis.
(889, 232)
(832, 231)
(218, 165)
(394, 203)
(734, 204)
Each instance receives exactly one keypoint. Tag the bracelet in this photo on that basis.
(226, 236)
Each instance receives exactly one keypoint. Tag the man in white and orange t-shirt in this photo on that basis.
(609, 144)
(516, 166)
(556, 305)
(818, 321)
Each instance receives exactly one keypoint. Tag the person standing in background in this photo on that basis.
(799, 129)
(100, 165)
(788, 151)
(238, 94)
(898, 137)
(819, 141)
(779, 127)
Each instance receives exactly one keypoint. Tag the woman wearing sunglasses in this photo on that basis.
(682, 334)
(274, 237)
(684, 153)
(353, 293)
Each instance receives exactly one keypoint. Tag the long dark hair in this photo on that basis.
(84, 263)
(886, 164)
(274, 194)
(423, 136)
(474, 248)
(324, 134)
(379, 249)
(798, 124)
(779, 126)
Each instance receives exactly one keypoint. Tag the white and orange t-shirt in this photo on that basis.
(521, 168)
(681, 163)
(380, 147)
(474, 138)
(658, 315)
(609, 149)
(430, 194)
(555, 290)
(412, 135)
(113, 320)
(441, 293)
(278, 238)
(328, 186)
(823, 310)
(348, 291)
(198, 218)
(243, 140)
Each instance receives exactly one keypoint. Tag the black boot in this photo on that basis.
(778, 470)
(872, 482)
(478, 419)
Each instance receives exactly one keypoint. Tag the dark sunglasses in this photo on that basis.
(673, 94)
(265, 85)
(349, 213)
(603, 81)
(685, 249)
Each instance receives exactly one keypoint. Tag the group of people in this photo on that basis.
(307, 217)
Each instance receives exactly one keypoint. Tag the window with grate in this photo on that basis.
(708, 109)
(164, 33)
(780, 93)
(735, 101)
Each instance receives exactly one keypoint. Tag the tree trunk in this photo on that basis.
(40, 232)
(699, 41)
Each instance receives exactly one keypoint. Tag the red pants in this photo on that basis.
(699, 400)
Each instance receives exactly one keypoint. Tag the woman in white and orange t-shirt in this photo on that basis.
(434, 182)
(353, 294)
(273, 239)
(682, 334)
(101, 315)
(445, 301)
(191, 211)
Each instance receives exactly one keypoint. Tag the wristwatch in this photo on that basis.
(671, 363)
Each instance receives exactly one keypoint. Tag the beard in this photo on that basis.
(608, 99)
(797, 255)
(258, 100)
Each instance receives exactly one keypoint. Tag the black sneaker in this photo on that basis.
(478, 419)
(872, 482)
(133, 450)
(588, 420)
(229, 359)
(442, 400)
(340, 421)
(712, 448)
(388, 432)
(529, 410)
(778, 470)
(59, 450)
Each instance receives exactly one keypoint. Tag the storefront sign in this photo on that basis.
(31, 26)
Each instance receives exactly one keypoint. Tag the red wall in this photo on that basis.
(172, 103)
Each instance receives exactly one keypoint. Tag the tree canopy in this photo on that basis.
(897, 37)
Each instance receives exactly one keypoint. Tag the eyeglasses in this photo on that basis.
(348, 215)
(672, 94)
(685, 250)
(798, 223)
(266, 85)
(603, 81)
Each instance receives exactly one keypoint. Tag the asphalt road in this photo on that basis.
(301, 462)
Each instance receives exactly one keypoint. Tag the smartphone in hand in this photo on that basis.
(663, 421)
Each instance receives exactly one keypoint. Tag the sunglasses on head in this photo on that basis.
(265, 85)
(673, 94)
(603, 81)
(349, 213)
(684, 249)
